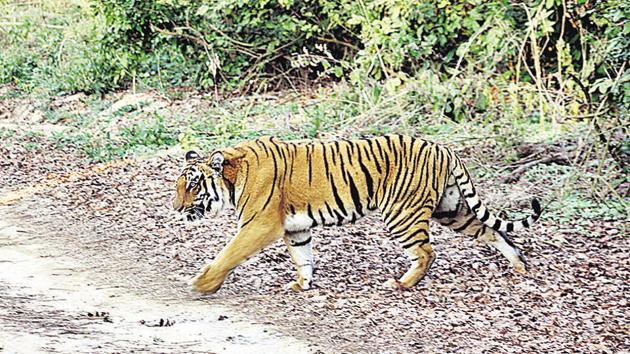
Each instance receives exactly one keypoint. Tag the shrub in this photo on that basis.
(574, 46)
(263, 44)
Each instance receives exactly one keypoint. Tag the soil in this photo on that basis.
(78, 239)
(55, 303)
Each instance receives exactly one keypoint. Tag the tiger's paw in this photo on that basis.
(207, 281)
(520, 269)
(394, 284)
(296, 286)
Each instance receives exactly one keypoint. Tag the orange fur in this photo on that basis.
(285, 188)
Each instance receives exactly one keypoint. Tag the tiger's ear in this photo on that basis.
(216, 164)
(190, 155)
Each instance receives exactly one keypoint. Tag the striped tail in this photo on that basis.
(466, 188)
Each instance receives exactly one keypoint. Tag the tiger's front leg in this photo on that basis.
(249, 241)
(301, 251)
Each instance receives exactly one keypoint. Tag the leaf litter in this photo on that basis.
(573, 299)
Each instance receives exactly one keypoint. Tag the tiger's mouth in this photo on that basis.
(194, 213)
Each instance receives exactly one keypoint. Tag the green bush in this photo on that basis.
(99, 45)
(260, 44)
(51, 47)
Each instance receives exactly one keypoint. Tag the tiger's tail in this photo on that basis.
(467, 189)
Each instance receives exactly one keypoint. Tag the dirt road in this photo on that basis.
(55, 303)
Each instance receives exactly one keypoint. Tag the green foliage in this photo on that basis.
(51, 47)
(244, 44)
(100, 45)
(574, 200)
(145, 135)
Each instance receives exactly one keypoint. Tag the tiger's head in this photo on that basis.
(201, 187)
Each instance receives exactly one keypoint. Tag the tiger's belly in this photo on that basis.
(302, 221)
(298, 222)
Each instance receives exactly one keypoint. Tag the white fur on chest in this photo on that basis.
(297, 222)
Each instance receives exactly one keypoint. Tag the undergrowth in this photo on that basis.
(591, 186)
(460, 86)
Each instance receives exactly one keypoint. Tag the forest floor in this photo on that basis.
(92, 257)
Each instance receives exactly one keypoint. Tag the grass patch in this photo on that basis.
(578, 195)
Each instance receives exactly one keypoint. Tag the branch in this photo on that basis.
(517, 173)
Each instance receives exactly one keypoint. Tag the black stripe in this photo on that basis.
(310, 164)
(469, 195)
(214, 187)
(321, 216)
(387, 169)
(294, 148)
(356, 198)
(309, 212)
(248, 221)
(329, 209)
(334, 152)
(392, 188)
(305, 242)
(380, 148)
(273, 183)
(424, 195)
(240, 213)
(261, 144)
(409, 221)
(438, 168)
(414, 234)
(337, 197)
(231, 190)
(510, 227)
(536, 206)
(340, 218)
(367, 150)
(416, 242)
(368, 178)
(466, 224)
(292, 160)
(377, 165)
(389, 142)
(406, 205)
(486, 216)
(397, 188)
(448, 223)
(342, 170)
(445, 214)
(325, 160)
(497, 224)
(477, 206)
(255, 153)
(507, 239)
(349, 150)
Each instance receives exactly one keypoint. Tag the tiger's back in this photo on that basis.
(331, 183)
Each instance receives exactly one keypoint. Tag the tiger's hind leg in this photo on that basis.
(415, 241)
(502, 242)
(453, 212)
(301, 251)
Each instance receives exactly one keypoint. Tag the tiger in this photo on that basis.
(283, 189)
